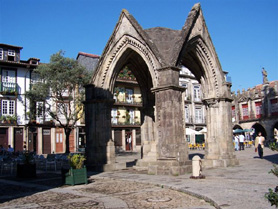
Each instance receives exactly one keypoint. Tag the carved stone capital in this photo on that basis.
(212, 103)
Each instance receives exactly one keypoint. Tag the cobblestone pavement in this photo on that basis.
(241, 186)
(99, 193)
(235, 187)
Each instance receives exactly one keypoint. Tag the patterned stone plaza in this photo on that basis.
(241, 186)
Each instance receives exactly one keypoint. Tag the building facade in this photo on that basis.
(15, 81)
(89, 61)
(194, 108)
(40, 134)
(257, 109)
(126, 112)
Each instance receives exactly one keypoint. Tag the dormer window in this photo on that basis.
(1, 54)
(11, 55)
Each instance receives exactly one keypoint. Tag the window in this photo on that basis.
(1, 54)
(245, 113)
(129, 94)
(11, 52)
(35, 77)
(198, 115)
(39, 109)
(131, 116)
(197, 93)
(8, 76)
(11, 55)
(274, 107)
(114, 114)
(8, 80)
(258, 109)
(187, 138)
(8, 107)
(233, 111)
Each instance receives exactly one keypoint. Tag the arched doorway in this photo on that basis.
(155, 56)
(259, 128)
(237, 127)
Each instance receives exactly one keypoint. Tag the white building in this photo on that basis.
(194, 109)
(15, 81)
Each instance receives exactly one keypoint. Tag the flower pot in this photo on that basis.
(75, 176)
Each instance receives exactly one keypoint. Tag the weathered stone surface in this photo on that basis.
(156, 56)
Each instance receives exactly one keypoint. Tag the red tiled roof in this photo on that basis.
(88, 55)
(271, 84)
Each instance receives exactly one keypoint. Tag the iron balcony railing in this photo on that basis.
(192, 120)
(8, 88)
(116, 122)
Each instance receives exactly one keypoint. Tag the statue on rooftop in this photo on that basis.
(265, 80)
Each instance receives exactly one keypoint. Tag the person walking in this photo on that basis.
(236, 142)
(130, 142)
(259, 144)
(241, 142)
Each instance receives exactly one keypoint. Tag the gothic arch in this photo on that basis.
(106, 74)
(259, 128)
(156, 55)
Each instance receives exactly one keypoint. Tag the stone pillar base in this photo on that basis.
(169, 167)
(107, 167)
(214, 163)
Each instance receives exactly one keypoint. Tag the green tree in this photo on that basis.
(60, 88)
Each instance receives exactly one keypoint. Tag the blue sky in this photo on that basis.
(244, 32)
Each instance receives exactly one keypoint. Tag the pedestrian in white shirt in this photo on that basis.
(241, 142)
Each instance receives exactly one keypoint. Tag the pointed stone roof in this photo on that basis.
(169, 42)
(164, 39)
(166, 44)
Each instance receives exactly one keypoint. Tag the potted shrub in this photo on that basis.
(3, 119)
(27, 167)
(11, 119)
(77, 174)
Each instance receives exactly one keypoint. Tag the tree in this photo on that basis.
(60, 88)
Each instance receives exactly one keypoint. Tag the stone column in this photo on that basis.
(171, 148)
(219, 145)
(98, 106)
(39, 145)
(134, 140)
(123, 139)
(147, 130)
(53, 140)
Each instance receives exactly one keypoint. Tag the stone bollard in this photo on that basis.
(196, 168)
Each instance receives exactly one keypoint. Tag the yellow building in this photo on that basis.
(125, 114)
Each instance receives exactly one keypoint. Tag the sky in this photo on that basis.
(244, 32)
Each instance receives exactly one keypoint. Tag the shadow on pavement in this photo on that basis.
(272, 158)
(13, 187)
(125, 153)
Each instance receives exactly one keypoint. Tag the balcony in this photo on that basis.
(128, 101)
(8, 119)
(7, 88)
(125, 122)
(201, 120)
(191, 120)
